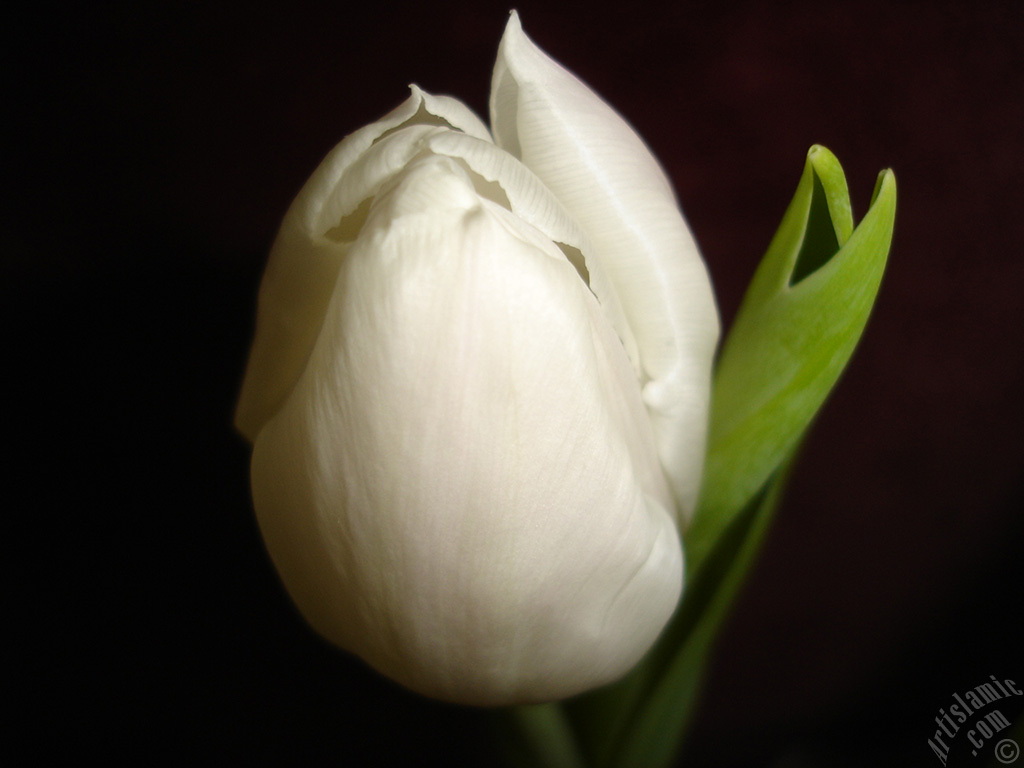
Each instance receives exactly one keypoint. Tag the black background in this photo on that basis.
(156, 146)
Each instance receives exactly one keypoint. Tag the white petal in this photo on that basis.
(531, 201)
(610, 183)
(317, 202)
(461, 488)
(303, 263)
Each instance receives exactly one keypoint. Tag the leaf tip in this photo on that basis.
(884, 184)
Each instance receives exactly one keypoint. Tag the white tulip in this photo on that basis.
(478, 391)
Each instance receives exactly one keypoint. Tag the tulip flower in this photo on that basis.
(478, 391)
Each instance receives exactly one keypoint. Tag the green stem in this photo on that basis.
(540, 736)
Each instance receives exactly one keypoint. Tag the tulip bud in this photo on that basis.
(478, 392)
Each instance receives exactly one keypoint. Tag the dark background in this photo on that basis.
(156, 147)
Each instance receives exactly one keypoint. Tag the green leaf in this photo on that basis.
(804, 311)
(658, 728)
(800, 320)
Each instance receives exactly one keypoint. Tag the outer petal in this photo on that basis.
(608, 180)
(462, 487)
(304, 264)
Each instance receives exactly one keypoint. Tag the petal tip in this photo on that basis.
(514, 34)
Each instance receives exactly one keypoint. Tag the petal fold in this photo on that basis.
(304, 262)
